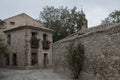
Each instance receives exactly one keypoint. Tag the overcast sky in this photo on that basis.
(95, 10)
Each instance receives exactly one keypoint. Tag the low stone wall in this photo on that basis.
(102, 54)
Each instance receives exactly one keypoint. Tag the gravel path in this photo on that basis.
(37, 74)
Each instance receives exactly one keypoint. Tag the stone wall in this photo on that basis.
(20, 28)
(40, 49)
(102, 54)
(20, 45)
(20, 20)
(16, 47)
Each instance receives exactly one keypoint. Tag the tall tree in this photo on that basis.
(112, 17)
(62, 20)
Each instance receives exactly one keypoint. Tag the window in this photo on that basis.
(14, 59)
(12, 23)
(9, 39)
(45, 42)
(34, 59)
(34, 40)
(34, 34)
(44, 36)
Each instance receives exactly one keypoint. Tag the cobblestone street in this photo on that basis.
(40, 74)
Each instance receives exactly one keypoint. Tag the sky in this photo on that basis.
(95, 10)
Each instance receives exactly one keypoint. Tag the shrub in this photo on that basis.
(75, 59)
(3, 48)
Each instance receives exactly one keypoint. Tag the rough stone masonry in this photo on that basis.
(102, 52)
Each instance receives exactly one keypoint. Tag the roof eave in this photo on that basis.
(28, 27)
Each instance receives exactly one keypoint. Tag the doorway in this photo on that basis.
(34, 59)
(45, 59)
(14, 59)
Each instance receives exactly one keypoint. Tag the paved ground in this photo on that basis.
(42, 74)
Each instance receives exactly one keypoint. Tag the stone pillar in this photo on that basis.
(28, 56)
(27, 49)
(40, 55)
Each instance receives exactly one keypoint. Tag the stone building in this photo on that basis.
(28, 41)
(102, 52)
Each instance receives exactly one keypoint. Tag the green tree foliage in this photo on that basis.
(113, 17)
(75, 59)
(3, 48)
(62, 20)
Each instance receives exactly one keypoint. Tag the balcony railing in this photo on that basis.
(34, 43)
(46, 44)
